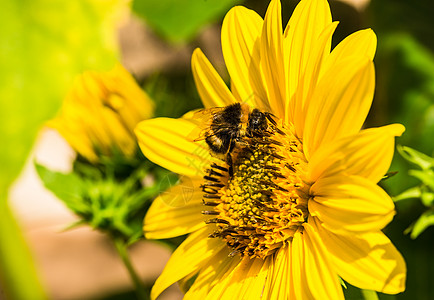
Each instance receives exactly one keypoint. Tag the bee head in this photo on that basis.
(257, 122)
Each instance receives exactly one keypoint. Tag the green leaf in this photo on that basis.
(21, 280)
(424, 221)
(67, 187)
(180, 20)
(43, 45)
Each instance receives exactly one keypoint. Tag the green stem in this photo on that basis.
(369, 294)
(121, 247)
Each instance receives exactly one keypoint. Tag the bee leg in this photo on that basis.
(270, 117)
(243, 143)
(229, 157)
(230, 164)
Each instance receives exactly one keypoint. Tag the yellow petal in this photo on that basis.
(368, 261)
(164, 141)
(271, 46)
(255, 279)
(211, 88)
(118, 134)
(136, 101)
(279, 283)
(246, 281)
(313, 273)
(299, 275)
(240, 32)
(188, 258)
(361, 43)
(80, 142)
(340, 103)
(176, 212)
(101, 110)
(211, 274)
(307, 22)
(235, 92)
(367, 154)
(226, 281)
(89, 87)
(297, 107)
(348, 204)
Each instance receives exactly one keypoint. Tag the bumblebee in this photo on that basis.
(230, 127)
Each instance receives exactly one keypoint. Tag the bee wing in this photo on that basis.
(204, 115)
(198, 134)
(202, 118)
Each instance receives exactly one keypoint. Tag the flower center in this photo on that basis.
(264, 203)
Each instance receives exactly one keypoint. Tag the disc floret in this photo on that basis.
(263, 204)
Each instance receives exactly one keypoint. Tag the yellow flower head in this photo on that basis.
(280, 190)
(100, 113)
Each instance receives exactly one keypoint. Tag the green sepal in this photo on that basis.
(418, 158)
(342, 282)
(424, 191)
(73, 225)
(424, 221)
(102, 201)
(413, 192)
(426, 176)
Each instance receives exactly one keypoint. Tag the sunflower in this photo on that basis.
(298, 207)
(100, 112)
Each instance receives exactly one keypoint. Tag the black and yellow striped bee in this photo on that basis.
(229, 126)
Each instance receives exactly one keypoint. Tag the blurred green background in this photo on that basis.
(45, 43)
